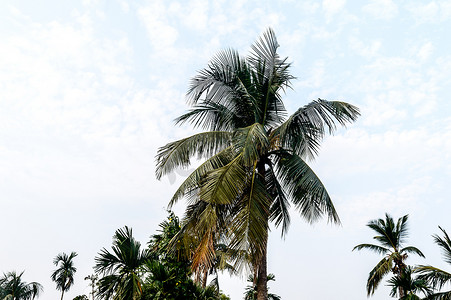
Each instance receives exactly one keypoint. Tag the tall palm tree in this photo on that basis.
(391, 238)
(13, 288)
(121, 269)
(409, 284)
(255, 154)
(436, 276)
(64, 275)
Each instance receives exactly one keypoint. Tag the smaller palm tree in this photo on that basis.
(13, 288)
(121, 269)
(93, 278)
(391, 238)
(64, 275)
(251, 290)
(409, 284)
(438, 277)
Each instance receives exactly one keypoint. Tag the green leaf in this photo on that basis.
(304, 188)
(178, 153)
(252, 142)
(304, 130)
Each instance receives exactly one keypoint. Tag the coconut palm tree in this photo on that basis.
(121, 269)
(64, 275)
(13, 288)
(391, 238)
(409, 284)
(255, 154)
(436, 276)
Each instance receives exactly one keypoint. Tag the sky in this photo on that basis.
(89, 91)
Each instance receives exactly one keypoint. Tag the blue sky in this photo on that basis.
(89, 91)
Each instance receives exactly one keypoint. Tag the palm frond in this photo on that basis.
(203, 225)
(216, 82)
(264, 49)
(249, 225)
(192, 183)
(225, 184)
(375, 248)
(179, 153)
(402, 229)
(445, 245)
(411, 249)
(271, 77)
(279, 211)
(377, 273)
(107, 286)
(252, 142)
(304, 188)
(439, 296)
(211, 116)
(437, 277)
(388, 235)
(204, 254)
(225, 82)
(303, 130)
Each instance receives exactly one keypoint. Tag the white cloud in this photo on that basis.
(425, 51)
(161, 34)
(315, 76)
(399, 200)
(332, 7)
(381, 9)
(308, 7)
(193, 14)
(124, 5)
(365, 49)
(434, 11)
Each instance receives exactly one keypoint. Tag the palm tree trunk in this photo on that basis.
(262, 280)
(62, 294)
(204, 278)
(400, 267)
(262, 266)
(401, 292)
(197, 278)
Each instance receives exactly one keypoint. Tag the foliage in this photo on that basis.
(410, 285)
(93, 278)
(438, 278)
(255, 156)
(159, 245)
(64, 275)
(164, 282)
(81, 297)
(13, 288)
(391, 238)
(132, 273)
(120, 270)
(168, 273)
(251, 290)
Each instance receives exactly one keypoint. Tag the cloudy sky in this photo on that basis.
(89, 90)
